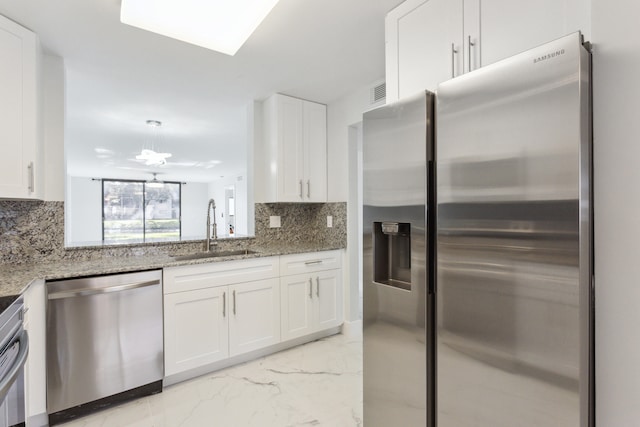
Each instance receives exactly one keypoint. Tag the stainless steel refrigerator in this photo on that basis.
(506, 324)
(398, 244)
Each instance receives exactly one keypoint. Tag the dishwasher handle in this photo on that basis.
(12, 374)
(85, 292)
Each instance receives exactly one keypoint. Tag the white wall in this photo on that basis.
(83, 210)
(53, 126)
(217, 192)
(254, 130)
(341, 114)
(195, 196)
(343, 119)
(617, 210)
(353, 298)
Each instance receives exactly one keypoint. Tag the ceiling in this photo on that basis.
(118, 77)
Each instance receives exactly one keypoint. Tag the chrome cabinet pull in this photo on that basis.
(31, 178)
(301, 196)
(224, 304)
(471, 44)
(313, 262)
(318, 286)
(310, 287)
(308, 189)
(234, 303)
(454, 51)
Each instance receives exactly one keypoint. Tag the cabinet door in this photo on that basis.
(297, 306)
(510, 27)
(254, 320)
(424, 46)
(315, 152)
(36, 366)
(196, 331)
(18, 110)
(290, 149)
(328, 295)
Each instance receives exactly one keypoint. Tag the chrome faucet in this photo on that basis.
(207, 243)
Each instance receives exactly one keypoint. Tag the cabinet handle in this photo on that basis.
(31, 180)
(310, 287)
(224, 304)
(319, 261)
(471, 44)
(308, 189)
(234, 303)
(318, 286)
(301, 196)
(454, 51)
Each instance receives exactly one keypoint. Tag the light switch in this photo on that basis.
(274, 221)
(329, 221)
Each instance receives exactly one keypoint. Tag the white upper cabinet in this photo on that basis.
(510, 27)
(423, 46)
(292, 156)
(315, 152)
(20, 135)
(428, 42)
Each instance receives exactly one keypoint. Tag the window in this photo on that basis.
(139, 210)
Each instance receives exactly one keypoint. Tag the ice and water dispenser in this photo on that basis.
(392, 254)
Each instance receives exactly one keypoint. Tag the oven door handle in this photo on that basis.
(12, 374)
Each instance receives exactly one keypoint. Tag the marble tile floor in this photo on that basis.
(316, 384)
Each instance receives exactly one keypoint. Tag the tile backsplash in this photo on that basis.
(33, 231)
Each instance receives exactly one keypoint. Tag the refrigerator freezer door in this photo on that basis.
(514, 242)
(396, 148)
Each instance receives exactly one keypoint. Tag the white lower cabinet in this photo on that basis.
(297, 306)
(328, 299)
(215, 312)
(196, 329)
(311, 301)
(254, 319)
(212, 312)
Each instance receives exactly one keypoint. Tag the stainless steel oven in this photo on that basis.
(14, 349)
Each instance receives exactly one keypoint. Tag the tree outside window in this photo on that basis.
(140, 211)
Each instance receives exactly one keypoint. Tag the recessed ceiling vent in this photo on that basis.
(378, 93)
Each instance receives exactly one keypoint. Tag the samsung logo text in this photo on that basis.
(548, 56)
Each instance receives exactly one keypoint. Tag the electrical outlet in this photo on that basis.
(329, 221)
(274, 221)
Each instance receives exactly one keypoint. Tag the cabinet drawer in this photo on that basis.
(190, 277)
(310, 262)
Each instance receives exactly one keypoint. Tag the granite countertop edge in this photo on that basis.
(15, 278)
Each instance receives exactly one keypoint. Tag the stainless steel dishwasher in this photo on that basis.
(104, 342)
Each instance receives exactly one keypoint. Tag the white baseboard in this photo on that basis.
(352, 329)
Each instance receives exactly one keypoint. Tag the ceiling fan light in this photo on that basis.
(151, 158)
(220, 25)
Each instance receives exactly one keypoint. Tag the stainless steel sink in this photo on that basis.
(213, 254)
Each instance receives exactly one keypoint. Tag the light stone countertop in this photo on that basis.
(14, 278)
